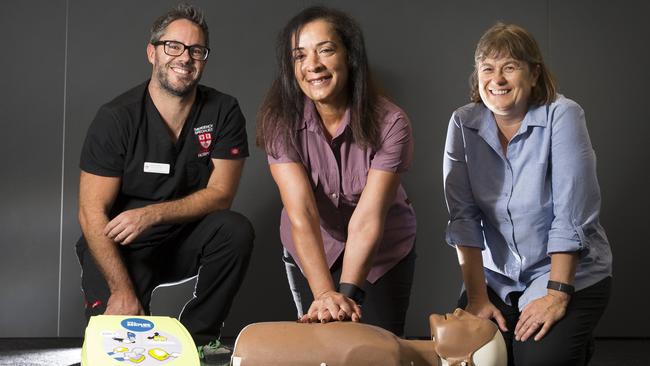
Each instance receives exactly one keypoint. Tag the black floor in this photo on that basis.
(66, 352)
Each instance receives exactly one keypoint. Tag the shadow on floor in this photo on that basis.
(67, 352)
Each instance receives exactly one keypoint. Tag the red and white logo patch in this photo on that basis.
(204, 136)
(205, 139)
(234, 151)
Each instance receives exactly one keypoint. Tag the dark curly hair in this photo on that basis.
(283, 106)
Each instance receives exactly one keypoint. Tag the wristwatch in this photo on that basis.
(352, 291)
(562, 287)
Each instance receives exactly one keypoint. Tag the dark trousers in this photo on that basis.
(386, 302)
(216, 249)
(569, 342)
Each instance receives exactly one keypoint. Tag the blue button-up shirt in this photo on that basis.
(540, 198)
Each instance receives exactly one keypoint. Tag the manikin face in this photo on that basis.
(505, 85)
(459, 322)
(457, 336)
(177, 75)
(320, 64)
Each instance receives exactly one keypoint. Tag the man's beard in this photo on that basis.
(179, 91)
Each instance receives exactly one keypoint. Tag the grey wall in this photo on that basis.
(63, 59)
(31, 105)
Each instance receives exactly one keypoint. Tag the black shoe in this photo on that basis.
(214, 353)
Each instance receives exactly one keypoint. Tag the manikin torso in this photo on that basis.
(457, 339)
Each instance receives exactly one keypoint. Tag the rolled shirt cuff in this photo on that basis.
(566, 240)
(465, 232)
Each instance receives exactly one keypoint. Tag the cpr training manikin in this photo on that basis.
(457, 339)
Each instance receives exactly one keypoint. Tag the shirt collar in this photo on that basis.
(312, 121)
(536, 116)
(481, 120)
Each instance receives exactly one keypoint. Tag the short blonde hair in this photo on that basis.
(510, 40)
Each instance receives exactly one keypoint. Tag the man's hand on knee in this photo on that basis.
(128, 225)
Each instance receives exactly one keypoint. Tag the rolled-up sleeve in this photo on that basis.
(285, 153)
(396, 150)
(576, 194)
(464, 227)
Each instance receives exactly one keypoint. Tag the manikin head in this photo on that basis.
(463, 339)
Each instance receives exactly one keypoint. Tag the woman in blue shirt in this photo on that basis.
(523, 199)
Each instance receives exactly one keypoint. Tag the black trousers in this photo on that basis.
(216, 248)
(386, 301)
(569, 342)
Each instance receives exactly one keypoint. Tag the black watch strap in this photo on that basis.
(560, 286)
(352, 291)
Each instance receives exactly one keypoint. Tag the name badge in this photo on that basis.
(159, 168)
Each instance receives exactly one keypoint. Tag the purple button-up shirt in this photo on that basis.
(338, 172)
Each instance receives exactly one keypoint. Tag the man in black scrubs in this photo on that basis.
(160, 167)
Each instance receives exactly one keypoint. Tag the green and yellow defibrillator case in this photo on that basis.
(137, 340)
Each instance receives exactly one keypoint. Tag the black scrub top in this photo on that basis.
(129, 139)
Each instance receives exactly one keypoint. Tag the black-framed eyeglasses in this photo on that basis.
(175, 48)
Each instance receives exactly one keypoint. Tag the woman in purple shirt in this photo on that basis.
(336, 149)
(524, 202)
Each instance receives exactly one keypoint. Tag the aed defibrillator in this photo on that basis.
(137, 340)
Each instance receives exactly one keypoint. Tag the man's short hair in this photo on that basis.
(181, 11)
